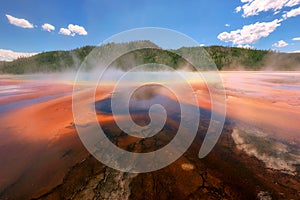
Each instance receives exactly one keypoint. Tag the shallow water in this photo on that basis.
(23, 103)
(19, 93)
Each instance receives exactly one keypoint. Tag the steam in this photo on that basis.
(275, 154)
(281, 61)
(272, 61)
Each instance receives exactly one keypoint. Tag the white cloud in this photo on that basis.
(291, 13)
(72, 30)
(250, 34)
(48, 27)
(238, 9)
(292, 3)
(65, 31)
(280, 43)
(276, 12)
(247, 46)
(298, 51)
(254, 7)
(227, 25)
(23, 23)
(296, 39)
(202, 45)
(77, 29)
(9, 55)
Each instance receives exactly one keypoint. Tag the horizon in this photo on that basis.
(11, 55)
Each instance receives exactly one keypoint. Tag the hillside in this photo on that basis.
(225, 58)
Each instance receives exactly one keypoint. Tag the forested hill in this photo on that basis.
(225, 58)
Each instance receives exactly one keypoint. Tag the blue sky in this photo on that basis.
(261, 24)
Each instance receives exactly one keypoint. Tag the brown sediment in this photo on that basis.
(226, 173)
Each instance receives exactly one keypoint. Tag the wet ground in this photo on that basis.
(256, 157)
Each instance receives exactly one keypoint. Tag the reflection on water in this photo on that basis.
(9, 89)
(139, 105)
(288, 87)
(141, 101)
(15, 94)
(27, 102)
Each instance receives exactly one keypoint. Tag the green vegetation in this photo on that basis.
(149, 55)
(225, 58)
(233, 57)
(53, 61)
